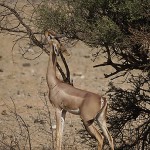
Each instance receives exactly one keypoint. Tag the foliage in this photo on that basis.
(131, 111)
(123, 28)
(112, 24)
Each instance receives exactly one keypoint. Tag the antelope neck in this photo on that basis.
(51, 70)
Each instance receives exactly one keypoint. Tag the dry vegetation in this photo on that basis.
(25, 109)
(26, 116)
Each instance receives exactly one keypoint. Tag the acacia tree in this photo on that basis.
(122, 28)
(17, 18)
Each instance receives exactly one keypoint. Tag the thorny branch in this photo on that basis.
(134, 56)
(18, 117)
(23, 28)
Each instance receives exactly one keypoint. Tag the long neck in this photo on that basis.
(51, 70)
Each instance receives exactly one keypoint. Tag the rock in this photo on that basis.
(26, 64)
(54, 126)
(4, 112)
(1, 70)
(39, 121)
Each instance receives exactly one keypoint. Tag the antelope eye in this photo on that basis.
(50, 36)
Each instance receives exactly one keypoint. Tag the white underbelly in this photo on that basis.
(75, 111)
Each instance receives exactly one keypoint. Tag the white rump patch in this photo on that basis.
(102, 102)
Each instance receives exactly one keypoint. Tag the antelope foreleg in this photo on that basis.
(60, 120)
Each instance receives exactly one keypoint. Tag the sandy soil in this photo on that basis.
(23, 96)
(26, 115)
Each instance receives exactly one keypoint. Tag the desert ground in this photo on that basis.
(27, 118)
(26, 115)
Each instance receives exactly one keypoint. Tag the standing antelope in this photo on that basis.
(66, 98)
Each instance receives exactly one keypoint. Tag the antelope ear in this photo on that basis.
(51, 32)
(59, 36)
(64, 50)
(46, 33)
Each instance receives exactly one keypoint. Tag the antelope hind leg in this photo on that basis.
(101, 121)
(94, 132)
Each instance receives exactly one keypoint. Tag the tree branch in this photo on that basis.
(32, 37)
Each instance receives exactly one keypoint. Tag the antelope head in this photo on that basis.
(53, 40)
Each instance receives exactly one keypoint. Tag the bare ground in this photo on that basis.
(24, 106)
(26, 115)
